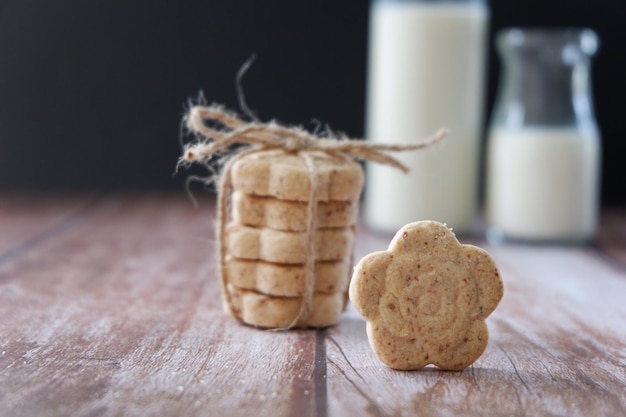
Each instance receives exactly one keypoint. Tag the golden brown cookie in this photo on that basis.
(280, 246)
(275, 173)
(286, 279)
(267, 311)
(251, 210)
(426, 298)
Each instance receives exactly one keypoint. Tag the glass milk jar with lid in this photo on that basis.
(543, 152)
(426, 71)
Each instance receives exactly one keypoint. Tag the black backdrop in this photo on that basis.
(92, 92)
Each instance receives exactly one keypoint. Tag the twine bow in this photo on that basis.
(231, 130)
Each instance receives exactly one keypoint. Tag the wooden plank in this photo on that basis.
(25, 218)
(121, 315)
(112, 308)
(556, 347)
(611, 238)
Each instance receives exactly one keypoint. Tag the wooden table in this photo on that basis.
(109, 306)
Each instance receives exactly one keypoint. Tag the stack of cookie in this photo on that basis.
(266, 238)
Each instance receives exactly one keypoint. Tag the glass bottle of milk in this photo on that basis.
(543, 145)
(426, 71)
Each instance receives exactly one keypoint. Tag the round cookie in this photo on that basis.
(286, 280)
(283, 175)
(285, 247)
(251, 210)
(266, 311)
(426, 298)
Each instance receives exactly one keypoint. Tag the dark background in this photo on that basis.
(92, 92)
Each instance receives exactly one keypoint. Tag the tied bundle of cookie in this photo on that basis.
(269, 240)
(287, 208)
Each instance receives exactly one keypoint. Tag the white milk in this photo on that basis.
(425, 72)
(543, 183)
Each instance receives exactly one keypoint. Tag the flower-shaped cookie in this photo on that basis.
(426, 298)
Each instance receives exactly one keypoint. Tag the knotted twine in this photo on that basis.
(257, 136)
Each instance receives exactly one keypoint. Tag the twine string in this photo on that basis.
(292, 139)
(310, 243)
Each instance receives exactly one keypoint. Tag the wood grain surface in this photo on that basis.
(109, 306)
